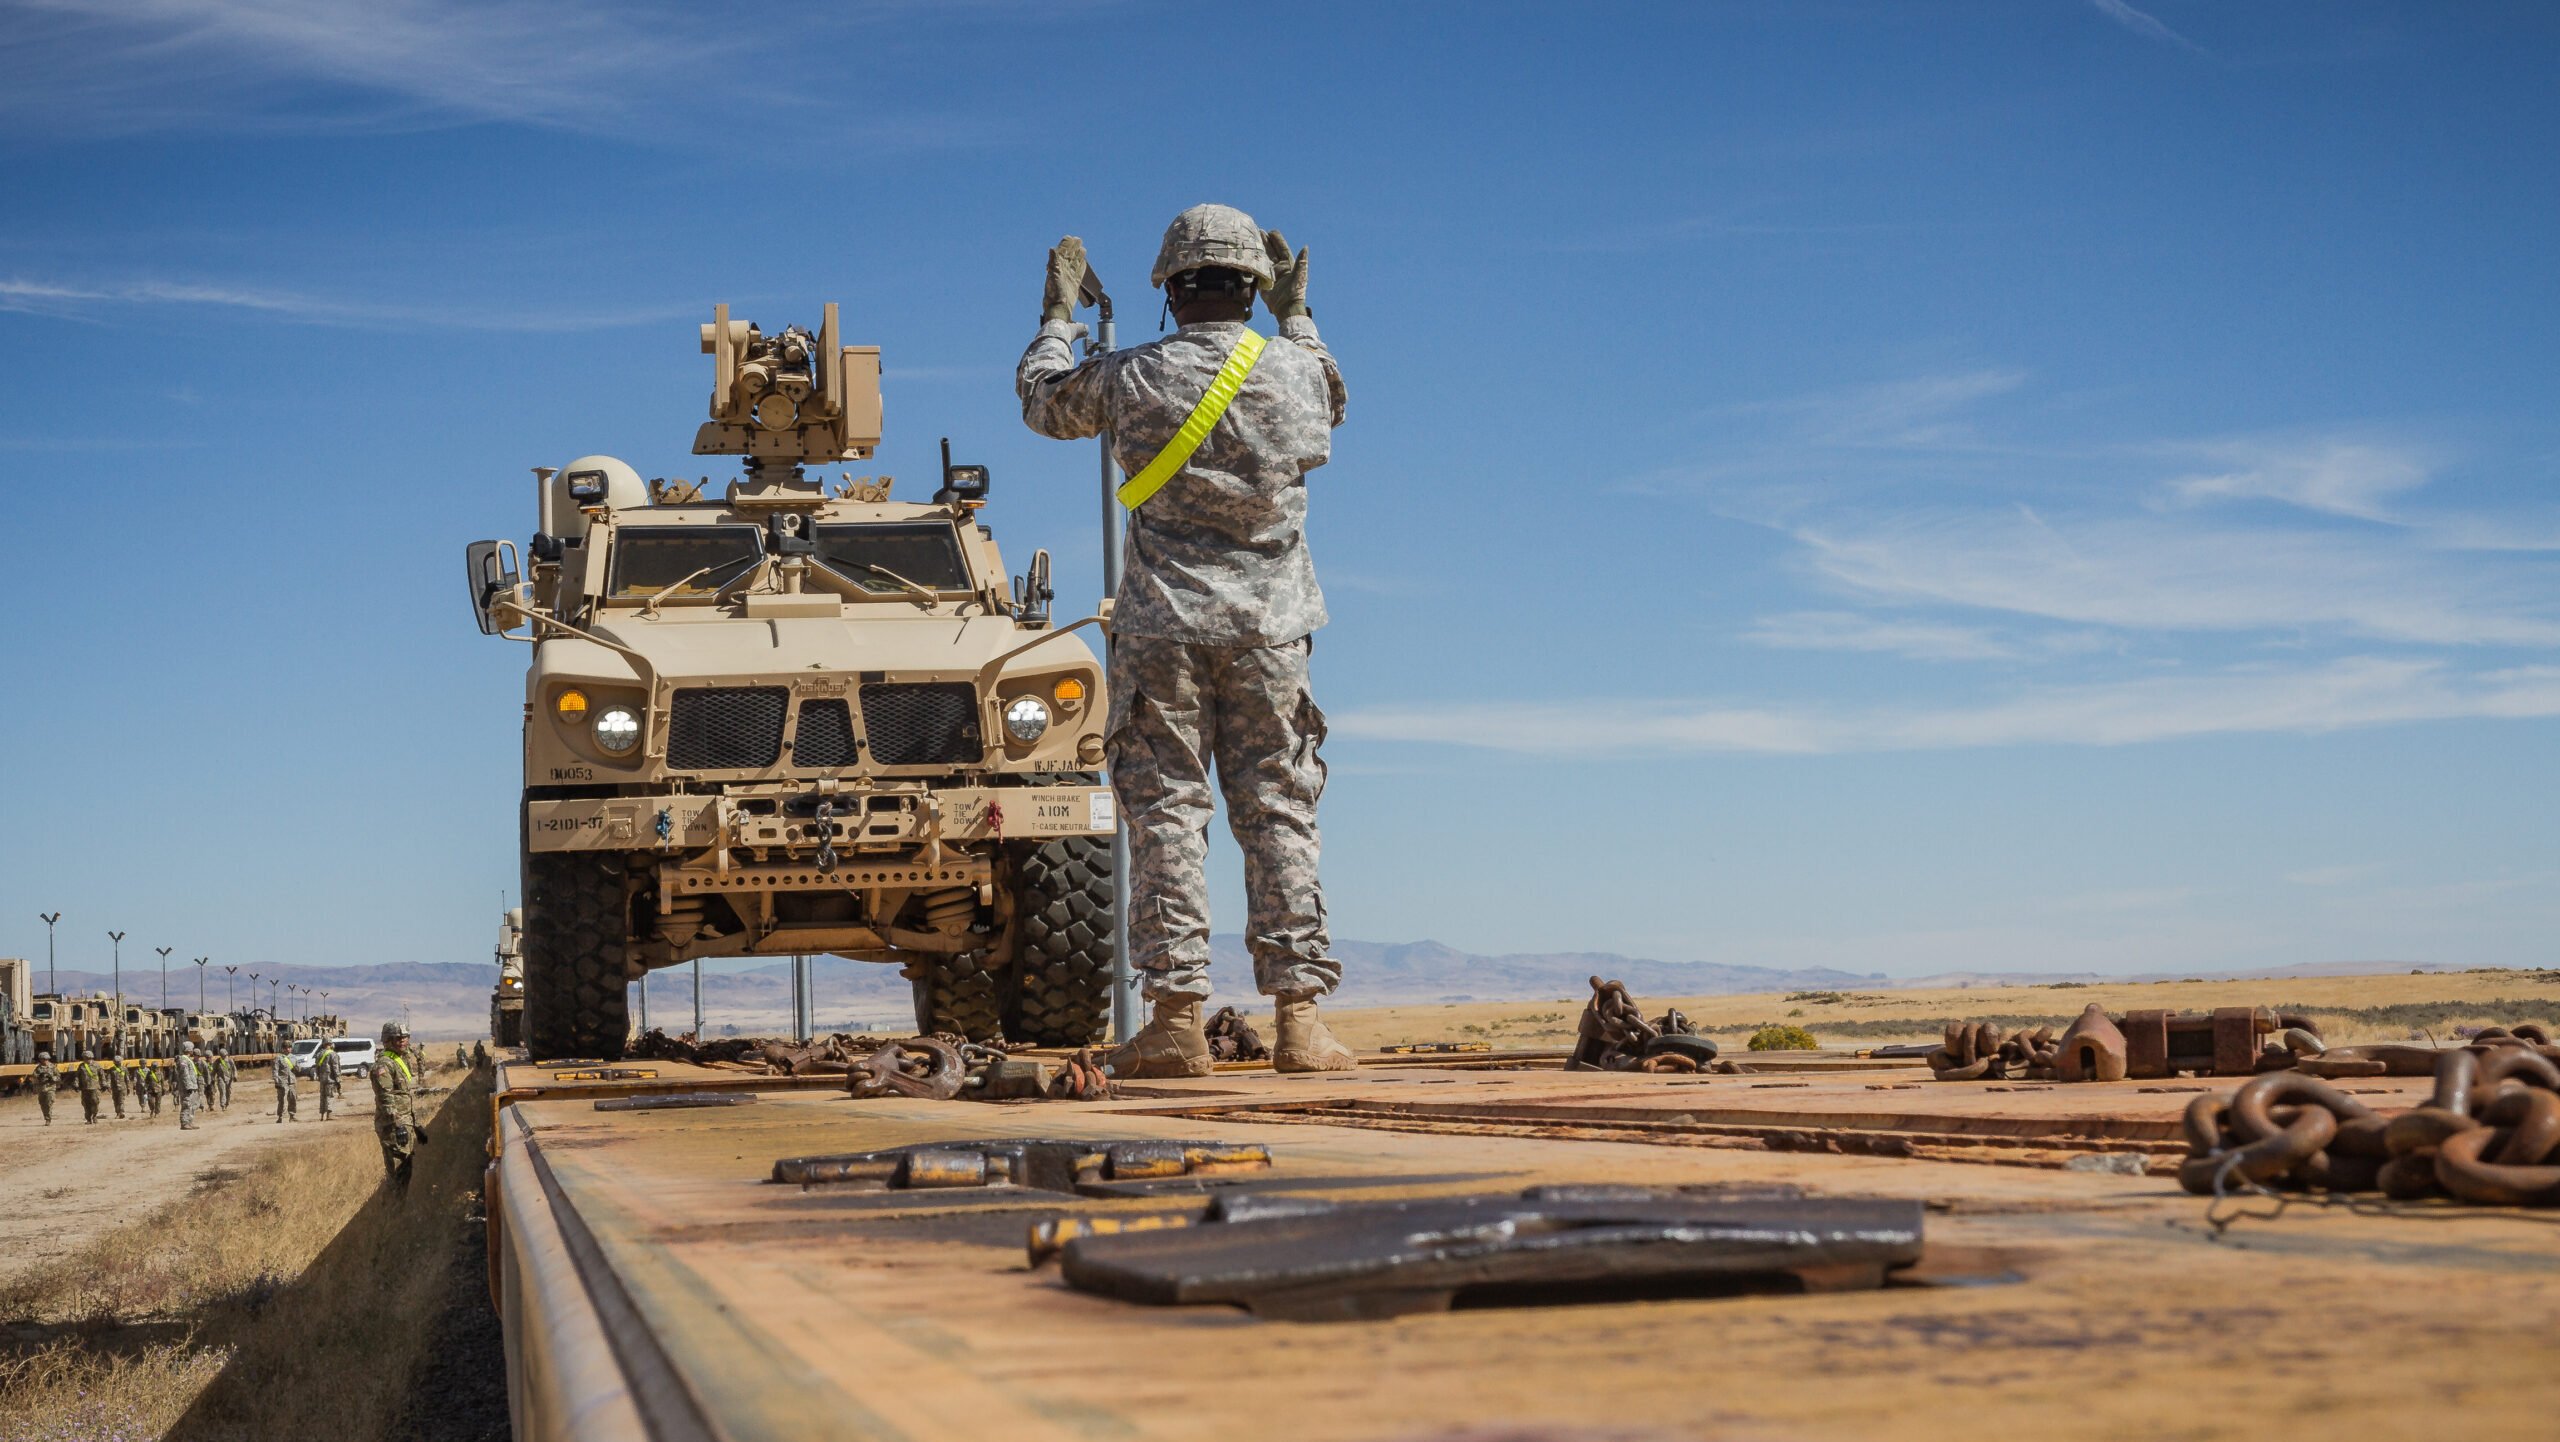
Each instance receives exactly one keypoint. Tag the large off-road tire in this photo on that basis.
(958, 994)
(1061, 983)
(576, 929)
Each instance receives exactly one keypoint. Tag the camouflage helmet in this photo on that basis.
(1219, 235)
(393, 1031)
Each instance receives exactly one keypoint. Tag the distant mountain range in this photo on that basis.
(451, 998)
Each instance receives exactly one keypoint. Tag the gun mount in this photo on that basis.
(791, 397)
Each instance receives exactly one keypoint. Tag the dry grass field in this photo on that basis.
(281, 1297)
(2349, 1008)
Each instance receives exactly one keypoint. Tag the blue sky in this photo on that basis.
(1900, 486)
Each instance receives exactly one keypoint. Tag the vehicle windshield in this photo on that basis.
(925, 552)
(348, 1045)
(649, 559)
(305, 1048)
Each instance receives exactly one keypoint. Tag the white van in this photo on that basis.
(355, 1055)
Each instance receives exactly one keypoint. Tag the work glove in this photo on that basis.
(1066, 277)
(1288, 293)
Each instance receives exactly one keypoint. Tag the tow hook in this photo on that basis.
(826, 834)
(666, 828)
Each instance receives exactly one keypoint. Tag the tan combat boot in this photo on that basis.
(1304, 1043)
(1172, 1044)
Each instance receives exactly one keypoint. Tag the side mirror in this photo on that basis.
(492, 569)
(1036, 590)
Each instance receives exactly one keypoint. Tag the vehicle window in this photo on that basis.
(347, 1046)
(925, 552)
(649, 559)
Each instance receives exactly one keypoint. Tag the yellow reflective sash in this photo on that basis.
(1195, 427)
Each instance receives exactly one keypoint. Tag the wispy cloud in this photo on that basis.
(2145, 25)
(632, 69)
(2353, 692)
(1915, 639)
(1915, 411)
(2318, 473)
(55, 298)
(135, 65)
(2150, 573)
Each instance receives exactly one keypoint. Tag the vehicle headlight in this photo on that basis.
(617, 729)
(1027, 718)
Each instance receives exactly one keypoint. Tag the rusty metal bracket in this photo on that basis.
(1093, 1168)
(924, 1068)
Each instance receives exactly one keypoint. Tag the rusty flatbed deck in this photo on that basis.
(654, 1283)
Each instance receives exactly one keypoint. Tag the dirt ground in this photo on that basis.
(76, 1182)
(2350, 1008)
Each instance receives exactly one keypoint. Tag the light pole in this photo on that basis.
(51, 984)
(164, 975)
(697, 1001)
(118, 938)
(230, 998)
(200, 963)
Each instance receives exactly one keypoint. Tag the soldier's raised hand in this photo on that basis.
(1066, 278)
(1288, 293)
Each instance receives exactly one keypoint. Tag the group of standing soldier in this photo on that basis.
(195, 1080)
(203, 1080)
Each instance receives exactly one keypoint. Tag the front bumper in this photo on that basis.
(786, 825)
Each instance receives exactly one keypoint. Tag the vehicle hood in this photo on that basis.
(732, 647)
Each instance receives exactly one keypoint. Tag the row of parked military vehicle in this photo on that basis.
(67, 1026)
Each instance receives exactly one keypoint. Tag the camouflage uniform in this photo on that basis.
(1210, 635)
(395, 1116)
(326, 1070)
(115, 1084)
(150, 1085)
(223, 1075)
(90, 1082)
(48, 1081)
(190, 1084)
(288, 1096)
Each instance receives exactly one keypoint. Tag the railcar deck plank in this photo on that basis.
(2102, 1305)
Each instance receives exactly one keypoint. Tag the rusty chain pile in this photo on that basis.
(1614, 1036)
(1976, 1051)
(941, 1068)
(2488, 1135)
(1232, 1038)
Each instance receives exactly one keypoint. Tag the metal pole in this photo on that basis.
(800, 998)
(644, 1003)
(697, 1001)
(52, 983)
(1124, 993)
(118, 1032)
(164, 975)
(200, 965)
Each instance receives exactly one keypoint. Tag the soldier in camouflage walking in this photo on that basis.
(324, 1068)
(48, 1081)
(190, 1086)
(1215, 616)
(288, 1096)
(90, 1082)
(223, 1076)
(149, 1083)
(395, 1105)
(115, 1083)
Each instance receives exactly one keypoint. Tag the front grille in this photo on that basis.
(825, 741)
(929, 725)
(726, 728)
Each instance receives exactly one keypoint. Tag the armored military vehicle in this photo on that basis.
(782, 716)
(506, 999)
(17, 1012)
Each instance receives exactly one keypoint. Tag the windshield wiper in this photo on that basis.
(923, 594)
(650, 607)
